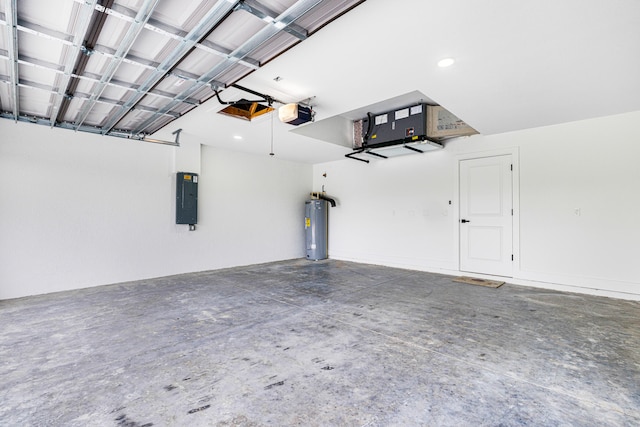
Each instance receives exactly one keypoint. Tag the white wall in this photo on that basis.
(79, 210)
(396, 212)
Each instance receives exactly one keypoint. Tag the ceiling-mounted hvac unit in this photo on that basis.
(410, 130)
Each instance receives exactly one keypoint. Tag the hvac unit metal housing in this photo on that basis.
(406, 124)
(397, 132)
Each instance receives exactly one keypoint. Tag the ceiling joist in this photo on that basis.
(132, 33)
(91, 33)
(215, 15)
(258, 39)
(27, 84)
(93, 78)
(11, 16)
(127, 69)
(82, 28)
(267, 15)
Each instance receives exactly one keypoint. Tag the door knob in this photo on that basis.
(464, 221)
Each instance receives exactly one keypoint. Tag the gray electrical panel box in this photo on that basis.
(316, 229)
(187, 198)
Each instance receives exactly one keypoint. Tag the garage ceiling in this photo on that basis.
(519, 65)
(129, 67)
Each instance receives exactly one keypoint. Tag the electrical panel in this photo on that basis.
(187, 198)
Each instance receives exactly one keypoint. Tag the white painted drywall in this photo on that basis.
(396, 212)
(80, 210)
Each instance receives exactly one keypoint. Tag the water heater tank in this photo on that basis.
(316, 228)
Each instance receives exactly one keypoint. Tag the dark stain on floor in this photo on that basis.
(202, 408)
(270, 386)
(124, 421)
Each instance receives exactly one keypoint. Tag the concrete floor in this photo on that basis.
(318, 343)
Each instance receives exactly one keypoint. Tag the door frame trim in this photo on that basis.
(515, 188)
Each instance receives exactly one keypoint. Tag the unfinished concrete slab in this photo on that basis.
(318, 343)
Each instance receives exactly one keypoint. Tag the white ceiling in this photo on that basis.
(519, 64)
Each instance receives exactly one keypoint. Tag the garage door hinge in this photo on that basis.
(511, 257)
(511, 167)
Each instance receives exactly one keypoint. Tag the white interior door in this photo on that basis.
(486, 215)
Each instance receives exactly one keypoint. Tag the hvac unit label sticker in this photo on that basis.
(307, 222)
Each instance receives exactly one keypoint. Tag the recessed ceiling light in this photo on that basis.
(237, 137)
(446, 62)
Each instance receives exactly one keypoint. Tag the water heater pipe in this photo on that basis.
(324, 197)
